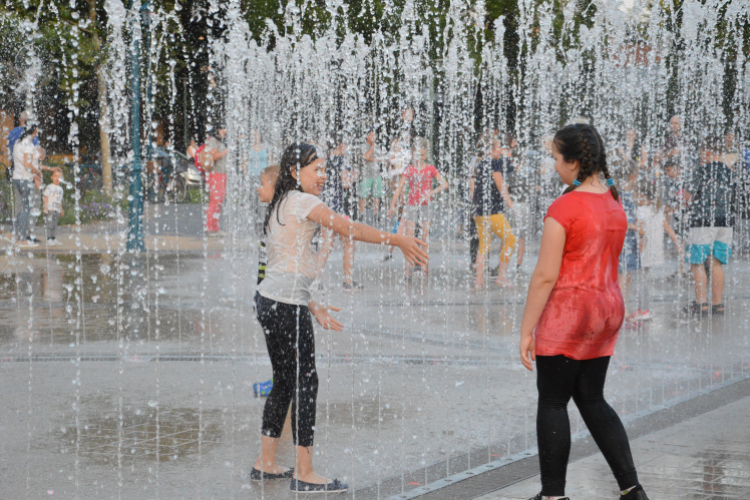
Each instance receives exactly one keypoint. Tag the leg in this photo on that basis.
(556, 378)
(305, 397)
(484, 237)
(521, 249)
(278, 322)
(212, 217)
(409, 227)
(348, 258)
(700, 279)
(717, 281)
(502, 230)
(602, 421)
(22, 219)
(221, 196)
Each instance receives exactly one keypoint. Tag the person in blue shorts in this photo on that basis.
(711, 196)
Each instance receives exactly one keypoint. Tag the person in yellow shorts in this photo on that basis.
(489, 200)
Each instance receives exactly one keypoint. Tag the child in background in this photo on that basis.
(53, 210)
(265, 189)
(630, 258)
(651, 218)
(418, 205)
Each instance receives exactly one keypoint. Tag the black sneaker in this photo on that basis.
(495, 271)
(636, 493)
(256, 475)
(352, 287)
(539, 497)
(334, 486)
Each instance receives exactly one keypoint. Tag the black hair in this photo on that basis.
(296, 157)
(713, 143)
(27, 131)
(582, 143)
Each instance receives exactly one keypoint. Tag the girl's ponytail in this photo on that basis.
(582, 143)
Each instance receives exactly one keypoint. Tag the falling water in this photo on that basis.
(425, 380)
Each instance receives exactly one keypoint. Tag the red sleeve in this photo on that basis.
(563, 211)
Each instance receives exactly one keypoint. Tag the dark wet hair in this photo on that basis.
(581, 142)
(296, 157)
(713, 143)
(27, 131)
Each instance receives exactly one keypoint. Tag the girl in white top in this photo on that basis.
(285, 309)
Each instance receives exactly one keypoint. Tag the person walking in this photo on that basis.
(217, 181)
(574, 312)
(490, 198)
(285, 308)
(25, 170)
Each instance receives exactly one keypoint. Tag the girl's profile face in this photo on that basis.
(312, 178)
(568, 171)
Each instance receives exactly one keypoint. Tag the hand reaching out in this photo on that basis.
(324, 318)
(414, 249)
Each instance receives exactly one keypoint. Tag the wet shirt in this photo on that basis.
(220, 166)
(584, 312)
(487, 198)
(292, 262)
(420, 183)
(712, 191)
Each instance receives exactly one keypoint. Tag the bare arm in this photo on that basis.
(502, 187)
(442, 185)
(472, 187)
(672, 234)
(542, 281)
(370, 154)
(413, 248)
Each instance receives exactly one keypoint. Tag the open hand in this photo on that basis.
(414, 249)
(528, 351)
(324, 318)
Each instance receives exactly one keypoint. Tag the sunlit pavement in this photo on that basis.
(131, 377)
(704, 458)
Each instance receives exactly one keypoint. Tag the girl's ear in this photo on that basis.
(294, 173)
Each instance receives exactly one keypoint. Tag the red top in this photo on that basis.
(420, 182)
(585, 310)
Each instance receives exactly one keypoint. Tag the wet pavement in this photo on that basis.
(705, 458)
(131, 376)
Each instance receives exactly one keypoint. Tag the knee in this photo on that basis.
(585, 400)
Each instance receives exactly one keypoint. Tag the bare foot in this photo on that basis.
(312, 478)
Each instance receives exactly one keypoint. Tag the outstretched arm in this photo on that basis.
(413, 248)
(542, 281)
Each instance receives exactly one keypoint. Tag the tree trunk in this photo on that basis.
(103, 117)
(103, 135)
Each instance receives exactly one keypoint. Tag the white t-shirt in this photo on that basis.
(20, 149)
(54, 196)
(292, 263)
(653, 251)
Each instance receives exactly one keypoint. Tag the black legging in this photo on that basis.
(559, 378)
(289, 337)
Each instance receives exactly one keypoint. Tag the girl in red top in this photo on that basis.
(418, 204)
(574, 310)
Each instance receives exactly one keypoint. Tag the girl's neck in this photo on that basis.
(593, 184)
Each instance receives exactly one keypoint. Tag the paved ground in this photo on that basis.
(130, 376)
(705, 458)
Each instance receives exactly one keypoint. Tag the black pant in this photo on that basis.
(291, 345)
(559, 378)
